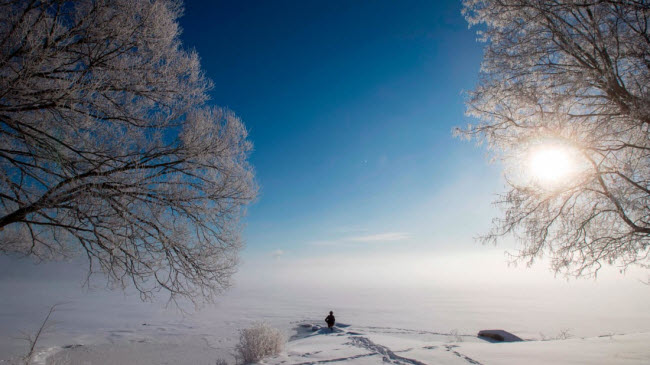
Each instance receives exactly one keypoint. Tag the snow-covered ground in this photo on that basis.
(377, 329)
(608, 321)
(372, 345)
(376, 345)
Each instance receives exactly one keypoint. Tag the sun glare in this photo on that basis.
(551, 165)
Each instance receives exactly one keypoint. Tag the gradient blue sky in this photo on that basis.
(350, 106)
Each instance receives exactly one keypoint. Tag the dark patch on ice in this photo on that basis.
(306, 354)
(327, 331)
(71, 346)
(302, 331)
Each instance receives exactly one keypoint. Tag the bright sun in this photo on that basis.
(551, 165)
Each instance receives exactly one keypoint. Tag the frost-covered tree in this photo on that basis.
(108, 148)
(257, 342)
(571, 77)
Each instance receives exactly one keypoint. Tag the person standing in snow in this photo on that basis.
(330, 320)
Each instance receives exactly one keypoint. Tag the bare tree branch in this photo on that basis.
(108, 147)
(576, 72)
(33, 339)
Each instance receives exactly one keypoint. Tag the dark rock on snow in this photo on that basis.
(499, 335)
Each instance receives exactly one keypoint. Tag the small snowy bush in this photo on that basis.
(455, 336)
(258, 342)
(564, 334)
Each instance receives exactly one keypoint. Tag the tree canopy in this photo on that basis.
(573, 75)
(109, 148)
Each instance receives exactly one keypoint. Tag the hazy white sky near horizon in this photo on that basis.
(434, 290)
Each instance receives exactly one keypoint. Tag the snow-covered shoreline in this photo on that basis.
(371, 345)
(105, 324)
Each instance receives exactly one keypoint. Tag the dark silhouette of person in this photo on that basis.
(330, 321)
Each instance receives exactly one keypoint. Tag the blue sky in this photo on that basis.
(350, 106)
